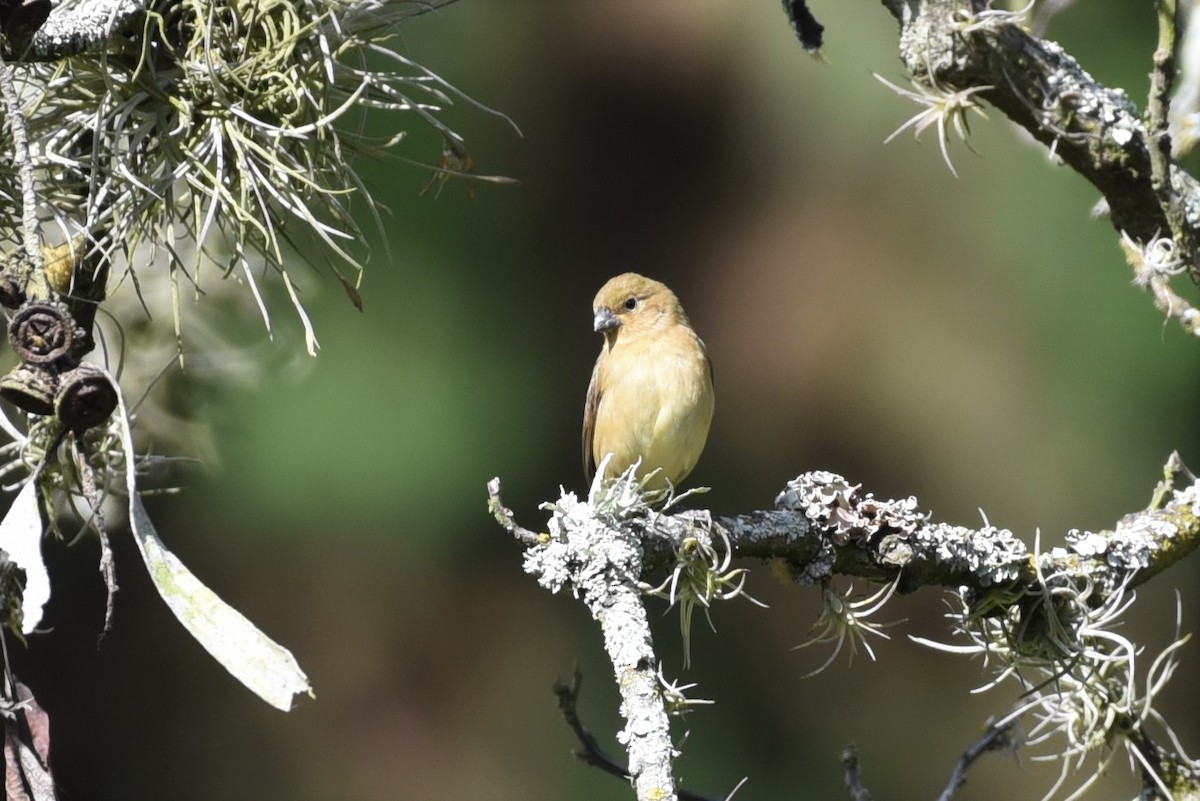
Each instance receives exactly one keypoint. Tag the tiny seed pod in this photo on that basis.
(86, 397)
(31, 388)
(41, 333)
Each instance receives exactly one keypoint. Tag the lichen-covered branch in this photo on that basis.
(822, 526)
(74, 28)
(1034, 613)
(87, 26)
(15, 118)
(588, 553)
(1096, 130)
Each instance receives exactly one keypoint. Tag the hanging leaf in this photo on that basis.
(252, 657)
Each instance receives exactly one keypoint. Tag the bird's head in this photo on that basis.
(634, 303)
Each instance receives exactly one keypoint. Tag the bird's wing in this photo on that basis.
(712, 375)
(589, 421)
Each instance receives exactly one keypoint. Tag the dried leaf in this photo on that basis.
(27, 775)
(14, 785)
(37, 776)
(37, 721)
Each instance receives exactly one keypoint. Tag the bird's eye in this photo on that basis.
(631, 303)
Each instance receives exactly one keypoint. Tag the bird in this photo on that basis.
(651, 393)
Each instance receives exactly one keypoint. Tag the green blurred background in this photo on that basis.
(974, 342)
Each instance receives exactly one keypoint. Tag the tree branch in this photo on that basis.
(601, 563)
(1095, 130)
(86, 26)
(853, 533)
(824, 526)
(590, 751)
(603, 549)
(75, 28)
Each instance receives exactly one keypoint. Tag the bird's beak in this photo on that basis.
(605, 320)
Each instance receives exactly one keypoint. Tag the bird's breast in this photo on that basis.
(657, 407)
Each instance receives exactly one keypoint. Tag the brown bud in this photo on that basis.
(31, 388)
(86, 397)
(41, 333)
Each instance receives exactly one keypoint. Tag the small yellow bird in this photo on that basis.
(651, 395)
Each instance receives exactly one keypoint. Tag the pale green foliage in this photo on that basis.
(700, 575)
(846, 619)
(943, 110)
(230, 124)
(968, 20)
(675, 696)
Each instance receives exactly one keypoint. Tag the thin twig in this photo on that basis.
(591, 752)
(1158, 106)
(36, 284)
(996, 738)
(505, 518)
(852, 775)
(107, 567)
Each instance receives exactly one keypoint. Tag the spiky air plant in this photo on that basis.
(217, 136)
(174, 145)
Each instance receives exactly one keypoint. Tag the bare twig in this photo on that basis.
(504, 516)
(996, 738)
(591, 753)
(108, 569)
(1162, 78)
(852, 775)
